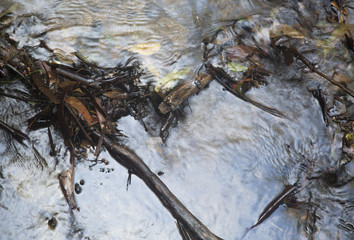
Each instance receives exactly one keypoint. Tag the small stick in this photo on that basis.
(17, 134)
(303, 59)
(76, 77)
(272, 206)
(220, 76)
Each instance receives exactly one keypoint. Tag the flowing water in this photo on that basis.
(225, 160)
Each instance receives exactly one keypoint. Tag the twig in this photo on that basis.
(303, 59)
(220, 76)
(77, 77)
(272, 206)
(15, 70)
(51, 143)
(17, 97)
(18, 135)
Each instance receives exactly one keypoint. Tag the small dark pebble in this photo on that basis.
(330, 178)
(160, 173)
(78, 188)
(105, 161)
(82, 182)
(1, 173)
(52, 223)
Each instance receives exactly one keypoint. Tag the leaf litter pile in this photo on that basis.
(84, 101)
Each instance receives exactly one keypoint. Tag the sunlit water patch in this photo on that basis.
(162, 35)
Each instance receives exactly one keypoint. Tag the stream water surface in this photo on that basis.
(225, 160)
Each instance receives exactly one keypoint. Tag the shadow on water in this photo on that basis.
(225, 160)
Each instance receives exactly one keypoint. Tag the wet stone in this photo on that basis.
(52, 223)
(78, 188)
(330, 178)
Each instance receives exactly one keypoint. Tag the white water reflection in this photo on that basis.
(110, 32)
(225, 161)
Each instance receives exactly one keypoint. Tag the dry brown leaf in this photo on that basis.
(342, 78)
(9, 10)
(115, 94)
(75, 103)
(239, 52)
(285, 30)
(67, 83)
(38, 80)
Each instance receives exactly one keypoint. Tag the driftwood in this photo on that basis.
(183, 92)
(135, 165)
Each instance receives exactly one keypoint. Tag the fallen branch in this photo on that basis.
(182, 93)
(135, 165)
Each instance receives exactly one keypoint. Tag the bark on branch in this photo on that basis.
(183, 92)
(135, 164)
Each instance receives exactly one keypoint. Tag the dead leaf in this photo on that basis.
(42, 86)
(340, 34)
(9, 10)
(50, 76)
(75, 103)
(66, 84)
(239, 52)
(342, 78)
(64, 57)
(115, 94)
(236, 67)
(66, 185)
(285, 30)
(341, 30)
